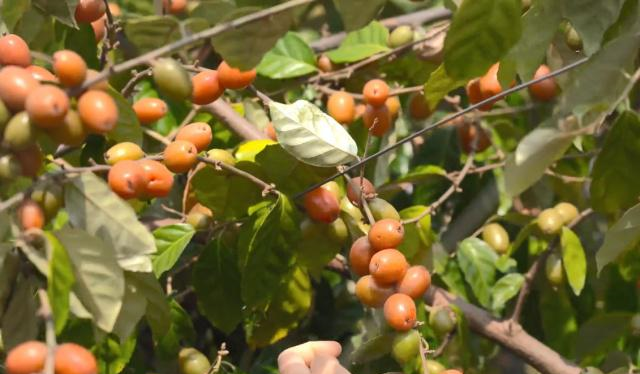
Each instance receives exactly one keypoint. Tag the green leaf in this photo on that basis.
(113, 356)
(574, 260)
(214, 11)
(244, 46)
(522, 236)
(99, 280)
(360, 44)
(171, 241)
(150, 32)
(539, 25)
(216, 280)
(227, 195)
(13, 10)
(63, 10)
(558, 318)
(83, 42)
(92, 206)
(452, 275)
(423, 174)
(267, 250)
(291, 57)
(20, 321)
(312, 136)
(180, 332)
(291, 303)
(536, 151)
(128, 128)
(134, 305)
(60, 282)
(439, 85)
(600, 333)
(9, 270)
(622, 236)
(357, 13)
(477, 262)
(157, 312)
(591, 19)
(505, 289)
(482, 31)
(417, 236)
(614, 185)
(291, 175)
(372, 349)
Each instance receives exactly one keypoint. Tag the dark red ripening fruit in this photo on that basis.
(386, 233)
(88, 11)
(360, 256)
(377, 119)
(470, 133)
(544, 90)
(400, 312)
(322, 205)
(360, 187)
(388, 266)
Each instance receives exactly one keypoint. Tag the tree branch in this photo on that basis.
(238, 124)
(50, 331)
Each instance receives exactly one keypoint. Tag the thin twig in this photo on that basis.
(135, 79)
(50, 331)
(424, 350)
(187, 120)
(266, 187)
(222, 352)
(447, 339)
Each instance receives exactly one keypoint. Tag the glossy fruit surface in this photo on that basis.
(567, 211)
(72, 358)
(360, 256)
(19, 133)
(400, 36)
(150, 109)
(221, 155)
(206, 88)
(16, 84)
(98, 111)
(47, 106)
(545, 90)
(489, 83)
(388, 266)
(159, 178)
(69, 67)
(123, 151)
(553, 270)
(393, 104)
(14, 51)
(382, 209)
(372, 294)
(471, 136)
(90, 10)
(406, 346)
(10, 166)
(198, 220)
(30, 215)
(197, 133)
(192, 361)
(358, 188)
(377, 119)
(415, 282)
(333, 187)
(49, 197)
(400, 312)
(386, 233)
(180, 156)
(496, 236)
(324, 64)
(435, 367)
(172, 79)
(41, 74)
(573, 39)
(174, 6)
(442, 320)
(375, 92)
(322, 205)
(127, 179)
(235, 79)
(30, 160)
(342, 107)
(550, 221)
(474, 94)
(26, 358)
(71, 132)
(418, 107)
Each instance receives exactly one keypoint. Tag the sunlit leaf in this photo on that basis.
(573, 260)
(505, 289)
(439, 85)
(170, 241)
(477, 262)
(361, 44)
(622, 236)
(60, 282)
(291, 57)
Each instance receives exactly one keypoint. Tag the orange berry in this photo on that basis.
(388, 266)
(377, 119)
(270, 131)
(386, 233)
(400, 312)
(197, 133)
(360, 256)
(235, 79)
(545, 90)
(490, 85)
(89, 10)
(98, 111)
(324, 64)
(47, 106)
(127, 179)
(322, 205)
(41, 74)
(360, 187)
(150, 109)
(360, 108)
(69, 67)
(418, 107)
(415, 282)
(102, 84)
(16, 84)
(30, 215)
(393, 104)
(180, 156)
(375, 92)
(174, 6)
(341, 107)
(99, 28)
(372, 294)
(72, 358)
(467, 134)
(115, 9)
(206, 88)
(14, 51)
(160, 179)
(26, 358)
(474, 94)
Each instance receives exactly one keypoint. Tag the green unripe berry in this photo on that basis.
(442, 320)
(4, 115)
(496, 236)
(49, 197)
(198, 220)
(221, 155)
(434, 367)
(550, 222)
(172, 79)
(553, 270)
(635, 324)
(9, 167)
(192, 361)
(19, 133)
(400, 36)
(337, 231)
(381, 209)
(572, 38)
(406, 346)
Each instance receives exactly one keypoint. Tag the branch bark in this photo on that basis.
(238, 124)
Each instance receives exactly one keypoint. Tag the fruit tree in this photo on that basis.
(203, 186)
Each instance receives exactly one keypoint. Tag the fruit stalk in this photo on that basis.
(50, 331)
